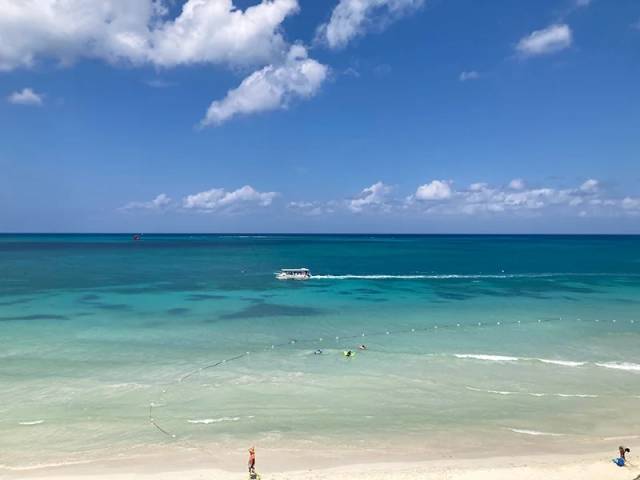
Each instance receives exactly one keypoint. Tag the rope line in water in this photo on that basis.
(431, 328)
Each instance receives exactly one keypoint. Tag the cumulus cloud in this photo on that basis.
(158, 203)
(271, 88)
(436, 190)
(26, 97)
(374, 196)
(353, 18)
(516, 184)
(220, 200)
(472, 75)
(139, 32)
(541, 42)
(515, 198)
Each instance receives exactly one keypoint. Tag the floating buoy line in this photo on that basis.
(313, 341)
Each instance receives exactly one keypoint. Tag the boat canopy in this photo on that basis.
(295, 270)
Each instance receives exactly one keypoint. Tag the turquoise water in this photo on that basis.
(531, 340)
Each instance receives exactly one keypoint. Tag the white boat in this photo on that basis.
(293, 274)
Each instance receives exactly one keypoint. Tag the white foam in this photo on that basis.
(488, 358)
(564, 395)
(497, 392)
(444, 277)
(577, 395)
(207, 421)
(629, 367)
(36, 422)
(534, 432)
(564, 363)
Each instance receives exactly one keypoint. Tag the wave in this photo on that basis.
(207, 421)
(564, 363)
(629, 367)
(37, 422)
(461, 276)
(492, 391)
(504, 358)
(488, 358)
(534, 432)
(563, 395)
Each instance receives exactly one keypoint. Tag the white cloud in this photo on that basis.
(474, 187)
(516, 198)
(436, 190)
(26, 97)
(636, 25)
(160, 202)
(383, 69)
(550, 40)
(271, 88)
(472, 75)
(582, 3)
(631, 203)
(352, 18)
(218, 199)
(157, 83)
(590, 186)
(308, 208)
(375, 195)
(139, 32)
(517, 184)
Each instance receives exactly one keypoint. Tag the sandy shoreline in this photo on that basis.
(560, 467)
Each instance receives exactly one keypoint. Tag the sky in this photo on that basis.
(320, 116)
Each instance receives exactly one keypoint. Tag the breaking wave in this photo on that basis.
(627, 367)
(207, 421)
(563, 395)
(36, 422)
(534, 432)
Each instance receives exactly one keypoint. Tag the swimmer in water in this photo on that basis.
(318, 352)
(350, 353)
(362, 347)
(622, 449)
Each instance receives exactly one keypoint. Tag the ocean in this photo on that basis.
(487, 345)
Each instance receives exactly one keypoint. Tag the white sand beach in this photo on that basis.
(591, 467)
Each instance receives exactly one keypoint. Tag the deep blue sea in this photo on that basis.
(473, 341)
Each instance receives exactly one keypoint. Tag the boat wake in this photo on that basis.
(456, 276)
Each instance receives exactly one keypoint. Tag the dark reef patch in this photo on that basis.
(15, 302)
(113, 306)
(200, 297)
(178, 311)
(263, 310)
(33, 317)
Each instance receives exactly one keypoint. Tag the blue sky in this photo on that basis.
(320, 116)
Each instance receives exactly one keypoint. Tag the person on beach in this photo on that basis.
(623, 450)
(252, 461)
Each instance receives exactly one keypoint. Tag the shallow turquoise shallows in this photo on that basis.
(530, 341)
